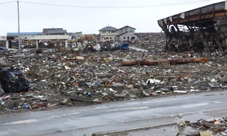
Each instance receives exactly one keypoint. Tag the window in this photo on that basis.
(104, 31)
(123, 37)
(131, 31)
(110, 38)
(107, 37)
(133, 38)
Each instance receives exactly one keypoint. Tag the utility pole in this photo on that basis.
(18, 11)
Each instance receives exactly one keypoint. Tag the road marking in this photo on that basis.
(131, 108)
(35, 120)
(216, 102)
(194, 105)
(22, 122)
(62, 115)
(163, 100)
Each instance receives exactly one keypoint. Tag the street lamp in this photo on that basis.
(18, 11)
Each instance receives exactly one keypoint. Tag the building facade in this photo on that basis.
(108, 33)
(126, 33)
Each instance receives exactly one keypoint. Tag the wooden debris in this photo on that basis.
(84, 100)
(171, 62)
(39, 105)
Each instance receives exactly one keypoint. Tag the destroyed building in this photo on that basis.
(54, 31)
(201, 29)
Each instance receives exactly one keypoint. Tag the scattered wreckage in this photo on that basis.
(12, 81)
(171, 62)
(60, 76)
(82, 46)
(216, 127)
(80, 74)
(201, 29)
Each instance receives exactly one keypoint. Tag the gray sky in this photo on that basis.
(35, 17)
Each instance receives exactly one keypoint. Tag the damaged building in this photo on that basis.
(201, 29)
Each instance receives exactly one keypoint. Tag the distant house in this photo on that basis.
(54, 31)
(108, 33)
(75, 35)
(126, 33)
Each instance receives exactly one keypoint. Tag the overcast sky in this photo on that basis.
(35, 17)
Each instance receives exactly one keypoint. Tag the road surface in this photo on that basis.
(117, 116)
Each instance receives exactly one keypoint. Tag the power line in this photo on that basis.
(108, 7)
(1, 3)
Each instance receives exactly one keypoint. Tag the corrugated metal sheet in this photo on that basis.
(207, 12)
(24, 33)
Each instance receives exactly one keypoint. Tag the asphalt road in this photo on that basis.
(116, 116)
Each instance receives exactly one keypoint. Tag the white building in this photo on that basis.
(109, 33)
(126, 33)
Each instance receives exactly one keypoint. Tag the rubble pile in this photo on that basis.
(216, 127)
(66, 77)
(157, 40)
(12, 81)
(202, 34)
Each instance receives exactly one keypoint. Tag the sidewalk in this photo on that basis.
(163, 130)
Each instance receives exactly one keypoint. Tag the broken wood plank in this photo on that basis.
(84, 100)
(171, 62)
(39, 105)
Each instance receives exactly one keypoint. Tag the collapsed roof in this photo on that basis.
(208, 22)
(196, 17)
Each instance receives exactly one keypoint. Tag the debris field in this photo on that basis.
(56, 76)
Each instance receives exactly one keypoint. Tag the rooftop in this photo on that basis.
(108, 28)
(127, 26)
(24, 33)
